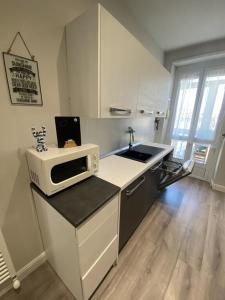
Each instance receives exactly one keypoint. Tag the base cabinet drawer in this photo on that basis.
(93, 246)
(89, 227)
(98, 271)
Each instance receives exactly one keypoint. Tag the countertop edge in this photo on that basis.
(146, 166)
(86, 217)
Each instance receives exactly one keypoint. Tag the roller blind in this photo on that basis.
(211, 109)
(200, 106)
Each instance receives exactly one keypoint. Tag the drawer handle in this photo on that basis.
(142, 111)
(157, 167)
(160, 113)
(115, 110)
(130, 192)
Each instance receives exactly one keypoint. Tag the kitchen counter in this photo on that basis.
(81, 200)
(121, 171)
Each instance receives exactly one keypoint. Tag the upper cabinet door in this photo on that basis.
(154, 86)
(147, 83)
(163, 86)
(83, 62)
(118, 68)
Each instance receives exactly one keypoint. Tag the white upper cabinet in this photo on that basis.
(118, 68)
(147, 84)
(111, 74)
(163, 85)
(154, 86)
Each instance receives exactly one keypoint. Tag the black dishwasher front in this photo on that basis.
(136, 200)
(138, 197)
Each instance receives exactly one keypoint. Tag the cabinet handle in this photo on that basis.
(142, 111)
(160, 113)
(114, 110)
(130, 192)
(157, 167)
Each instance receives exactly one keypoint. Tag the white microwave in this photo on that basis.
(59, 168)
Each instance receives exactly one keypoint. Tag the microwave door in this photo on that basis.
(69, 169)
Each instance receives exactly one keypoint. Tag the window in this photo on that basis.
(211, 104)
(185, 107)
(198, 111)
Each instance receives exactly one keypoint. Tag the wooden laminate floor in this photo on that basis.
(177, 253)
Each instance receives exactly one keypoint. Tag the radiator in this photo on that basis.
(7, 270)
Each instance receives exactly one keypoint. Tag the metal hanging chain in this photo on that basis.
(20, 35)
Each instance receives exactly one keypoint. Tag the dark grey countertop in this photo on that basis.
(81, 200)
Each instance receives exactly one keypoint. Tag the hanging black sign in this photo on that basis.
(23, 80)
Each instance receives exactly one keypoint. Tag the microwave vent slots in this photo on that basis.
(34, 177)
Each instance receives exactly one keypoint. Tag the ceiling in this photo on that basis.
(178, 23)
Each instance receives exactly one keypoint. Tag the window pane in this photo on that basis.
(211, 105)
(185, 107)
(200, 153)
(179, 149)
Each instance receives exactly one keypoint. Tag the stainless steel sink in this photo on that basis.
(141, 153)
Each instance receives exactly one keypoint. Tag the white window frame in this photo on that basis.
(204, 66)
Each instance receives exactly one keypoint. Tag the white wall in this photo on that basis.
(43, 31)
(219, 178)
(193, 51)
(111, 134)
(42, 25)
(219, 175)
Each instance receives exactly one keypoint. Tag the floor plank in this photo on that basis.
(209, 287)
(192, 249)
(214, 252)
(183, 284)
(43, 284)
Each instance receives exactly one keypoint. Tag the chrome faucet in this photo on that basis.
(131, 132)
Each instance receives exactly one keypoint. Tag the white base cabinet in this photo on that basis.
(80, 256)
(111, 75)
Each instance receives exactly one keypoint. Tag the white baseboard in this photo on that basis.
(218, 187)
(25, 271)
(31, 266)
